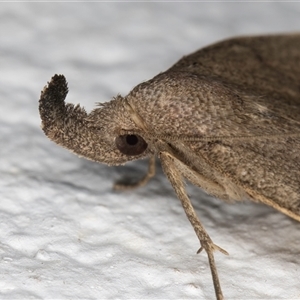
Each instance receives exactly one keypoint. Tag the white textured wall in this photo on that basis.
(64, 234)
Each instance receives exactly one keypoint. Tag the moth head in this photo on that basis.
(106, 135)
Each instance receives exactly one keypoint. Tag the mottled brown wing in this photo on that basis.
(251, 63)
(267, 169)
(264, 72)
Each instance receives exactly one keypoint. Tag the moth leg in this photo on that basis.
(173, 174)
(144, 180)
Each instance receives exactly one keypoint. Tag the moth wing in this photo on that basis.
(249, 62)
(262, 155)
(268, 169)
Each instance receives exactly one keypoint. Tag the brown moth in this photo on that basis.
(226, 118)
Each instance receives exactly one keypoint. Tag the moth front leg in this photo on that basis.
(143, 181)
(176, 179)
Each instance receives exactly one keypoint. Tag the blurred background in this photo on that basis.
(63, 232)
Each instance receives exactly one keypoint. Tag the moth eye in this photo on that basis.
(131, 144)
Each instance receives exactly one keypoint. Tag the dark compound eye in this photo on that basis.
(131, 144)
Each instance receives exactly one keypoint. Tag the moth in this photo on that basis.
(225, 118)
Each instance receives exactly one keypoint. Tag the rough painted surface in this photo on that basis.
(63, 232)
